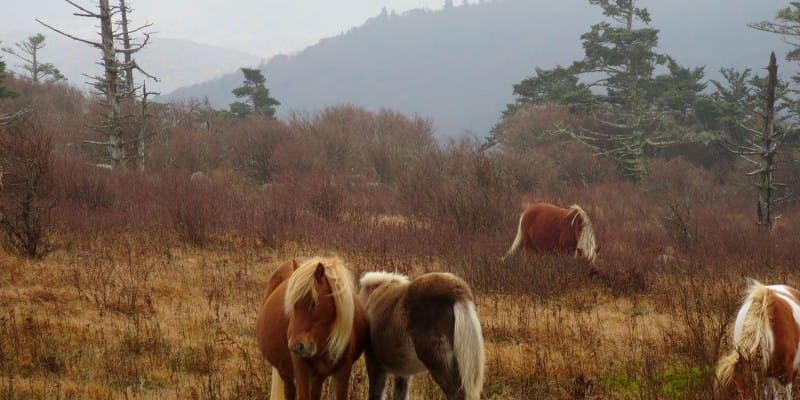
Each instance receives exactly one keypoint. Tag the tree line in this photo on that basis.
(633, 102)
(624, 101)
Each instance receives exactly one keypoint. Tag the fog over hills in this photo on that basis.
(175, 62)
(457, 66)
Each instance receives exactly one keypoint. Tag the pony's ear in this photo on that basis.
(295, 265)
(319, 274)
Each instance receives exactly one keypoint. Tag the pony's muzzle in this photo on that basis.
(305, 350)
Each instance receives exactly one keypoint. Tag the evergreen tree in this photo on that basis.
(28, 51)
(258, 101)
(4, 92)
(616, 86)
(787, 24)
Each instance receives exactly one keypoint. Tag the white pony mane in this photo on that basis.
(301, 283)
(381, 277)
(586, 240)
(756, 335)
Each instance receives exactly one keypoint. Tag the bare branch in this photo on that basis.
(89, 13)
(8, 118)
(89, 42)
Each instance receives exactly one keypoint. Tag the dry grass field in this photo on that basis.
(127, 285)
(136, 316)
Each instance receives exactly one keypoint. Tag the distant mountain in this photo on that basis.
(176, 63)
(458, 65)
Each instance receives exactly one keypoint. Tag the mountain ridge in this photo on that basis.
(457, 66)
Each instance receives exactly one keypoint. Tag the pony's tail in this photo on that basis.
(468, 348)
(276, 390)
(517, 240)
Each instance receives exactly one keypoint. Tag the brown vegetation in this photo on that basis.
(153, 280)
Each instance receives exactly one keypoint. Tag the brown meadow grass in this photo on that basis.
(127, 315)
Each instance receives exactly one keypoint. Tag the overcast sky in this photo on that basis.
(259, 27)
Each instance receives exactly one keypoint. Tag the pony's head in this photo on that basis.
(319, 304)
(739, 372)
(581, 227)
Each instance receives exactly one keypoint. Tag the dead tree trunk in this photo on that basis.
(769, 145)
(760, 150)
(116, 146)
(126, 44)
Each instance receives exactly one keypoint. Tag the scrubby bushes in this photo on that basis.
(26, 153)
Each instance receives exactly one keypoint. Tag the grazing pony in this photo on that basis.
(428, 323)
(311, 326)
(766, 340)
(545, 227)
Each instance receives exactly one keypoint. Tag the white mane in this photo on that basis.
(586, 241)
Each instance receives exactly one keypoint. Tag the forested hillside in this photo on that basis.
(457, 65)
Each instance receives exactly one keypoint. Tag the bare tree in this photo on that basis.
(128, 49)
(121, 123)
(760, 149)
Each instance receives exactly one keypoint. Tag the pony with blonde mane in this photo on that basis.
(428, 323)
(310, 326)
(545, 227)
(766, 340)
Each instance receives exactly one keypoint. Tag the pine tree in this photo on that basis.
(28, 52)
(616, 85)
(258, 100)
(3, 91)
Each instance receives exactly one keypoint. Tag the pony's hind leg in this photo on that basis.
(432, 334)
(441, 363)
(377, 378)
(401, 386)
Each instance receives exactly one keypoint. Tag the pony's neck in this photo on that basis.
(756, 337)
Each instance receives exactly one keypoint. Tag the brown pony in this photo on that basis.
(311, 326)
(766, 339)
(428, 323)
(545, 227)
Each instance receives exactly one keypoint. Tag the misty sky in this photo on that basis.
(259, 27)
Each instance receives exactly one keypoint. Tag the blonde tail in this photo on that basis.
(276, 390)
(468, 348)
(517, 240)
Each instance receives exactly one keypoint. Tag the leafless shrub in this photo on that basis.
(679, 223)
(26, 200)
(83, 184)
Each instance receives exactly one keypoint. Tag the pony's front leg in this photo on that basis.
(307, 382)
(289, 389)
(401, 386)
(377, 378)
(315, 387)
(341, 381)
